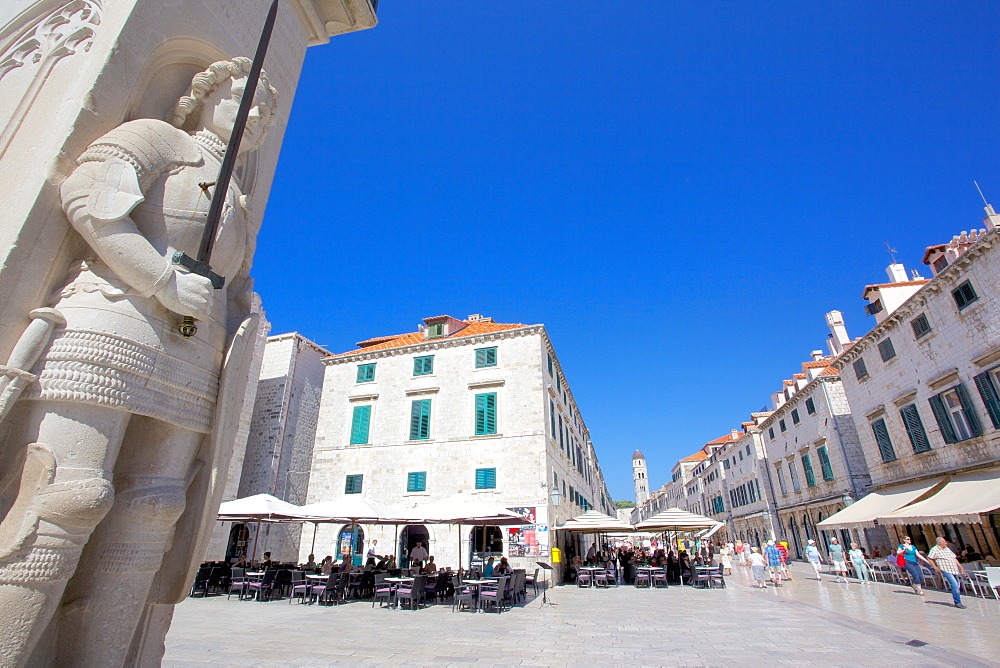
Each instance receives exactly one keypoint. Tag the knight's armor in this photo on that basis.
(120, 346)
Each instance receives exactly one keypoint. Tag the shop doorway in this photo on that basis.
(350, 543)
(485, 542)
(239, 538)
(408, 539)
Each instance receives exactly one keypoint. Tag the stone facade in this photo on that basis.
(927, 358)
(535, 439)
(279, 448)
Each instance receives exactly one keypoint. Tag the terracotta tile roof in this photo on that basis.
(931, 249)
(722, 440)
(788, 382)
(411, 338)
(901, 284)
(830, 371)
(696, 457)
(818, 364)
(798, 375)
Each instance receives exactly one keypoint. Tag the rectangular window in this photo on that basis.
(964, 295)
(807, 468)
(988, 385)
(770, 432)
(810, 406)
(435, 331)
(552, 418)
(920, 325)
(914, 428)
(486, 413)
(940, 264)
(860, 370)
(551, 373)
(781, 479)
(366, 373)
(353, 485)
(824, 463)
(795, 416)
(792, 471)
(416, 482)
(359, 424)
(885, 350)
(423, 366)
(954, 414)
(781, 425)
(884, 442)
(420, 420)
(486, 357)
(486, 479)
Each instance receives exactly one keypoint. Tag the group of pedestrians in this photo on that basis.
(940, 559)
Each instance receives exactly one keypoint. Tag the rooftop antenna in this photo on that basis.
(989, 207)
(892, 251)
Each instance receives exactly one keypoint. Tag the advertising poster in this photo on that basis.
(523, 540)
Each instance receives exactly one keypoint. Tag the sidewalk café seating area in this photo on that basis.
(397, 589)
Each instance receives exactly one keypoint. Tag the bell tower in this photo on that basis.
(639, 477)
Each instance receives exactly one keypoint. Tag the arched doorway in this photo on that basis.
(794, 530)
(351, 542)
(239, 537)
(408, 539)
(484, 542)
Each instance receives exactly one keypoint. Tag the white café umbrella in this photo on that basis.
(259, 508)
(462, 509)
(593, 521)
(351, 510)
(675, 519)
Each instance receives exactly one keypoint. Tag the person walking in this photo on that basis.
(726, 557)
(912, 559)
(756, 561)
(773, 556)
(741, 552)
(947, 565)
(814, 557)
(836, 551)
(785, 573)
(857, 558)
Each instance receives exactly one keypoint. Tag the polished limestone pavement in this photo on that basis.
(804, 622)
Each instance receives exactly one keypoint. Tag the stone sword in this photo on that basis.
(201, 266)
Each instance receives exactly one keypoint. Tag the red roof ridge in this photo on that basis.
(472, 328)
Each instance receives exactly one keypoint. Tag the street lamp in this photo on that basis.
(555, 496)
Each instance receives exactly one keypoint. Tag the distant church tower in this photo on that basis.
(639, 476)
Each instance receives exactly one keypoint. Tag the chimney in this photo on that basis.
(838, 333)
(992, 218)
(816, 355)
(734, 434)
(897, 273)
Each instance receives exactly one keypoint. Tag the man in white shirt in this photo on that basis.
(418, 556)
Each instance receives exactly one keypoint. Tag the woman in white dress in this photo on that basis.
(726, 557)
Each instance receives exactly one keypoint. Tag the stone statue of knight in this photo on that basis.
(115, 428)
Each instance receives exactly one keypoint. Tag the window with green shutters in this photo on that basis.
(955, 415)
(920, 325)
(550, 364)
(552, 418)
(964, 295)
(795, 416)
(914, 428)
(810, 406)
(366, 373)
(486, 413)
(807, 468)
(416, 482)
(420, 420)
(860, 370)
(486, 357)
(353, 485)
(989, 389)
(884, 442)
(359, 424)
(436, 331)
(886, 350)
(486, 478)
(824, 462)
(423, 366)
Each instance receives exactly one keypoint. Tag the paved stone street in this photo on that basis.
(803, 623)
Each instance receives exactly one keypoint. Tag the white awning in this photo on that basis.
(863, 512)
(962, 500)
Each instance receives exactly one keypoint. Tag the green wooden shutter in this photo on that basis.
(486, 357)
(486, 478)
(807, 466)
(943, 420)
(883, 440)
(915, 428)
(359, 424)
(420, 419)
(366, 373)
(353, 484)
(416, 481)
(990, 397)
(486, 413)
(824, 462)
(970, 413)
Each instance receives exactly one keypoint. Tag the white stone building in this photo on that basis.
(461, 406)
(923, 385)
(640, 477)
(279, 446)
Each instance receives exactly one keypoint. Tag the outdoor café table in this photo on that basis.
(479, 583)
(396, 582)
(593, 570)
(707, 570)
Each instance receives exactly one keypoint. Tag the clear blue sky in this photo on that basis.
(679, 191)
